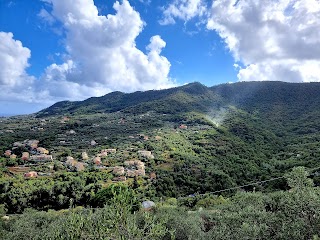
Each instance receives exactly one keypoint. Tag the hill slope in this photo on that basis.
(259, 125)
(201, 140)
(181, 97)
(292, 99)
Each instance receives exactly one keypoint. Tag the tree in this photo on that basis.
(298, 179)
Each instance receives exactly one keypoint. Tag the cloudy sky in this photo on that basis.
(53, 50)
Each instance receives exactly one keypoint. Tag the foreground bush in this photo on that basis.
(293, 214)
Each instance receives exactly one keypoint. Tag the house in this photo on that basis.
(42, 150)
(79, 166)
(65, 119)
(136, 163)
(182, 126)
(31, 174)
(152, 176)
(135, 168)
(70, 158)
(74, 164)
(103, 154)
(131, 173)
(70, 161)
(118, 171)
(25, 156)
(33, 144)
(93, 143)
(139, 164)
(13, 156)
(140, 172)
(146, 154)
(84, 156)
(111, 150)
(129, 163)
(7, 153)
(41, 158)
(97, 161)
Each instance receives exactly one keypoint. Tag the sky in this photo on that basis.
(54, 50)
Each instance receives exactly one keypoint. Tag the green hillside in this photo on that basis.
(190, 97)
(191, 140)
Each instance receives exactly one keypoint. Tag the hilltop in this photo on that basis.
(291, 97)
(162, 101)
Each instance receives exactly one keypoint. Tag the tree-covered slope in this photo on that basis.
(202, 139)
(268, 98)
(192, 95)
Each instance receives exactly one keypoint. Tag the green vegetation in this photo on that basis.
(290, 214)
(165, 146)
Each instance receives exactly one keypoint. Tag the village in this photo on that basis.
(32, 156)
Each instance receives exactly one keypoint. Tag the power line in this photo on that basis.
(223, 190)
(246, 185)
(237, 187)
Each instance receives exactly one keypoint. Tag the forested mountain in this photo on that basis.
(296, 98)
(172, 146)
(185, 98)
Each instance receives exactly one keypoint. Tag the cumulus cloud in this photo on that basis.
(183, 10)
(15, 83)
(102, 53)
(13, 61)
(100, 56)
(274, 40)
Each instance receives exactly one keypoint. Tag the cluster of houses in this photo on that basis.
(32, 152)
(73, 164)
(131, 168)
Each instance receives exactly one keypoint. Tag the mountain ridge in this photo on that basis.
(192, 97)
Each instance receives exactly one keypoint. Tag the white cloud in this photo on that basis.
(13, 62)
(183, 10)
(102, 53)
(275, 40)
(101, 56)
(15, 83)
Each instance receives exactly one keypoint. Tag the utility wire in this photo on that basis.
(246, 185)
(223, 190)
(237, 187)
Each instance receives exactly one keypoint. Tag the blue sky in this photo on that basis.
(70, 50)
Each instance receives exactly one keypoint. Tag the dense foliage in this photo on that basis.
(201, 139)
(290, 215)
